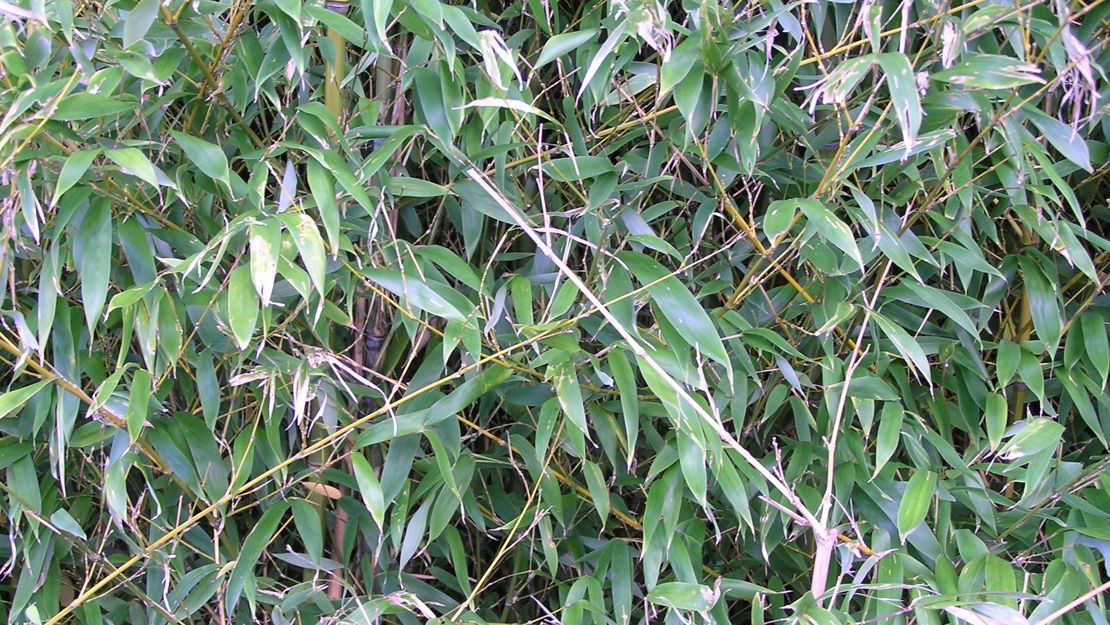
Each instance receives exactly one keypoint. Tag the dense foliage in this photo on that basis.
(595, 313)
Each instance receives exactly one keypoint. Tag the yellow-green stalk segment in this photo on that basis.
(334, 70)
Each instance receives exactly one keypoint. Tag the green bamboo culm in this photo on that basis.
(335, 68)
(334, 71)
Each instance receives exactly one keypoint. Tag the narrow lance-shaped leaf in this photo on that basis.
(369, 487)
(208, 157)
(569, 393)
(907, 347)
(565, 43)
(12, 400)
(309, 243)
(1097, 345)
(916, 500)
(1042, 302)
(990, 71)
(599, 490)
(323, 191)
(139, 21)
(134, 162)
(253, 547)
(683, 596)
(630, 405)
(138, 405)
(831, 227)
(903, 93)
(1036, 435)
(74, 168)
(995, 416)
(96, 260)
(242, 306)
(778, 217)
(684, 312)
(890, 432)
(265, 248)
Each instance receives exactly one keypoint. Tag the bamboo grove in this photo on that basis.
(564, 313)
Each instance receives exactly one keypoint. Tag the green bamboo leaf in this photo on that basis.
(902, 82)
(953, 306)
(831, 228)
(443, 409)
(890, 432)
(340, 23)
(689, 97)
(322, 186)
(995, 416)
(414, 534)
(369, 488)
(680, 307)
(1096, 344)
(115, 489)
(1041, 294)
(622, 583)
(691, 457)
(49, 275)
(375, 15)
(1007, 360)
(906, 345)
(208, 386)
(1062, 137)
(422, 295)
(683, 596)
(135, 241)
(169, 329)
(599, 490)
(129, 297)
(386, 150)
(406, 186)
(341, 171)
(13, 400)
(256, 543)
(24, 484)
(1033, 436)
(734, 490)
(431, 10)
(64, 521)
(208, 157)
(138, 405)
(84, 105)
(621, 369)
(242, 306)
(678, 66)
(569, 393)
(915, 503)
(311, 527)
(780, 214)
(507, 103)
(1031, 372)
(310, 245)
(135, 163)
(561, 45)
(95, 260)
(990, 71)
(265, 249)
(139, 21)
(616, 36)
(573, 169)
(74, 168)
